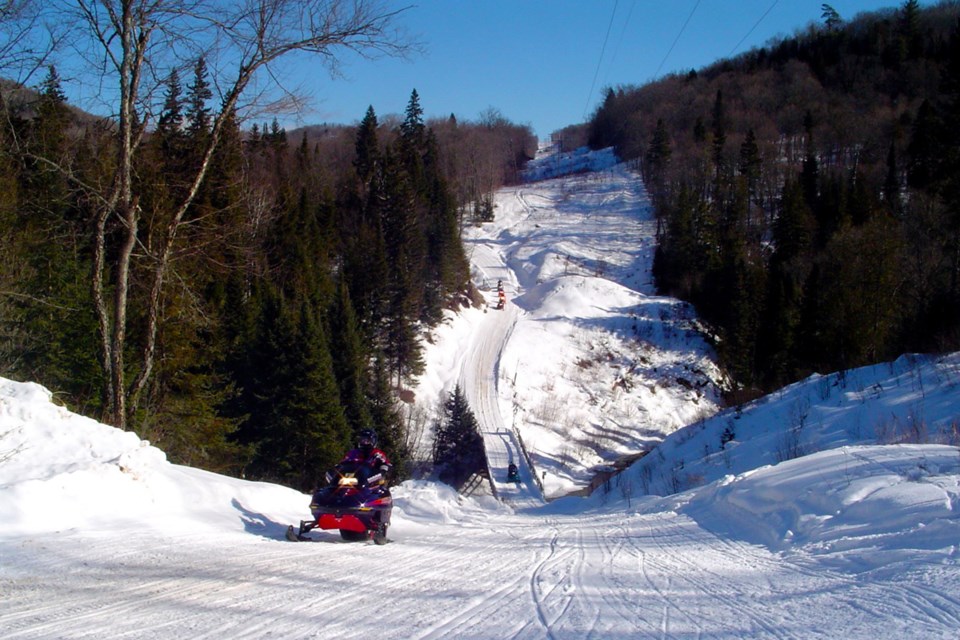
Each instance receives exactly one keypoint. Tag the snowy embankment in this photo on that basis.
(829, 508)
(102, 537)
(586, 364)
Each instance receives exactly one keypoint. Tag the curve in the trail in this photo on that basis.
(479, 381)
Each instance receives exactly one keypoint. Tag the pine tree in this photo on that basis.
(750, 161)
(447, 268)
(294, 420)
(367, 148)
(387, 419)
(831, 19)
(657, 160)
(170, 130)
(57, 349)
(349, 360)
(458, 449)
(412, 127)
(404, 245)
(198, 113)
(909, 24)
(319, 429)
(793, 230)
(197, 117)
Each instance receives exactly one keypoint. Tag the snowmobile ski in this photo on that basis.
(293, 536)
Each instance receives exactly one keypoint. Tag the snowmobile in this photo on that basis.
(360, 510)
(513, 474)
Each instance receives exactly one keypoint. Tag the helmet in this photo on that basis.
(368, 439)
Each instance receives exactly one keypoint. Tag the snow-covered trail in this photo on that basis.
(504, 254)
(479, 379)
(586, 364)
(489, 575)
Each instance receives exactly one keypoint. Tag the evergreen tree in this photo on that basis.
(294, 420)
(810, 172)
(657, 160)
(349, 360)
(58, 348)
(198, 113)
(750, 161)
(405, 255)
(320, 430)
(831, 19)
(412, 127)
(794, 228)
(447, 269)
(197, 117)
(699, 131)
(170, 121)
(910, 36)
(856, 316)
(367, 148)
(387, 419)
(458, 449)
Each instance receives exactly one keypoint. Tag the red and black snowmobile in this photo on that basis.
(359, 509)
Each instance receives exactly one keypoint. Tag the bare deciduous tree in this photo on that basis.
(129, 47)
(20, 47)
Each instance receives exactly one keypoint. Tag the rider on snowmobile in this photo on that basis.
(370, 464)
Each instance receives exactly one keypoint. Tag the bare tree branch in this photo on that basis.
(129, 48)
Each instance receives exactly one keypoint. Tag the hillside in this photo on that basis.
(586, 364)
(806, 191)
(101, 536)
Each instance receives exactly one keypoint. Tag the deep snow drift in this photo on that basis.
(829, 508)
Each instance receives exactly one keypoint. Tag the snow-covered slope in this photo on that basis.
(102, 537)
(586, 364)
(833, 508)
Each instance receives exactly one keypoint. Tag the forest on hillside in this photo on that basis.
(244, 297)
(807, 192)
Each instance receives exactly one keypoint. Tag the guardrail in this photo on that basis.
(526, 456)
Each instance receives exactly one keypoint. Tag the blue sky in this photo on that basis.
(546, 63)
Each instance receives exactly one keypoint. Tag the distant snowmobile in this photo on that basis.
(513, 474)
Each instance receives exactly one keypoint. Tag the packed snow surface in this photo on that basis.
(827, 509)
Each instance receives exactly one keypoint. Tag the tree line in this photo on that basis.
(246, 298)
(807, 193)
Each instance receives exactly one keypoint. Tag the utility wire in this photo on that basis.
(756, 24)
(603, 49)
(616, 49)
(692, 11)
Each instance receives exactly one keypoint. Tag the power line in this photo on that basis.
(675, 40)
(603, 49)
(756, 24)
(616, 49)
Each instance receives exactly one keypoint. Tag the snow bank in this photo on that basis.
(61, 460)
(863, 506)
(60, 470)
